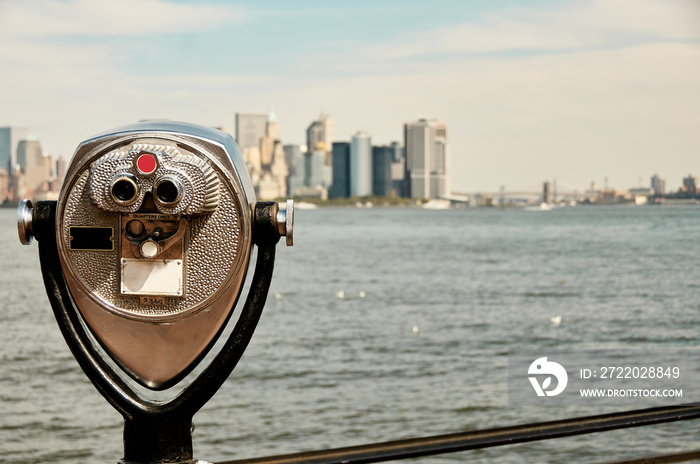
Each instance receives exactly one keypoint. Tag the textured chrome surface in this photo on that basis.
(213, 250)
(198, 180)
(219, 145)
(24, 222)
(174, 323)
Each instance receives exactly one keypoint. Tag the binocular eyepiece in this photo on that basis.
(125, 188)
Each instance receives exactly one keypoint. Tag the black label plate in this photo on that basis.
(88, 238)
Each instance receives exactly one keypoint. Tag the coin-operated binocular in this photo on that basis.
(144, 256)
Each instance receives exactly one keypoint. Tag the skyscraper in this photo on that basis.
(397, 152)
(267, 141)
(320, 132)
(9, 139)
(296, 162)
(316, 169)
(34, 165)
(267, 161)
(361, 165)
(314, 136)
(250, 128)
(658, 185)
(547, 192)
(398, 170)
(341, 171)
(60, 169)
(690, 184)
(319, 136)
(426, 158)
(381, 171)
(278, 169)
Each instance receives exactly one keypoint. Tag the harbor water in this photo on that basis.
(390, 323)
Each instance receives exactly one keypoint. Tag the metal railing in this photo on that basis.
(450, 443)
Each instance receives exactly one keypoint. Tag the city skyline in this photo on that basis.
(575, 91)
(419, 169)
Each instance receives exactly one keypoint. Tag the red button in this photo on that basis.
(146, 164)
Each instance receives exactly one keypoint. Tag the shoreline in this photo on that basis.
(398, 202)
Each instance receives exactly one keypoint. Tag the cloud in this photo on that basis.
(610, 88)
(570, 26)
(576, 116)
(50, 18)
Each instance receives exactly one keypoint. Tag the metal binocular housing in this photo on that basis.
(148, 247)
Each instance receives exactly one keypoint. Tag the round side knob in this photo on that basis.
(285, 222)
(25, 228)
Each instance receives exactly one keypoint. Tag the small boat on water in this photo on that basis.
(436, 204)
(541, 207)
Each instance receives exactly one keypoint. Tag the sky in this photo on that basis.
(577, 91)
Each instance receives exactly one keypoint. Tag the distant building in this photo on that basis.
(267, 141)
(426, 159)
(18, 185)
(319, 135)
(398, 180)
(296, 164)
(270, 175)
(267, 188)
(341, 171)
(397, 152)
(250, 128)
(9, 139)
(640, 195)
(257, 136)
(398, 170)
(547, 192)
(60, 169)
(361, 165)
(690, 184)
(316, 171)
(4, 185)
(314, 137)
(658, 185)
(278, 170)
(381, 171)
(35, 167)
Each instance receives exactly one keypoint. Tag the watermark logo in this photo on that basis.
(637, 378)
(541, 367)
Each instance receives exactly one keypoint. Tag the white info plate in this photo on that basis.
(156, 277)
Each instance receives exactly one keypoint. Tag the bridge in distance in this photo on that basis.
(462, 197)
(560, 190)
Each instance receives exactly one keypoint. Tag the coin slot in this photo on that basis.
(135, 229)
